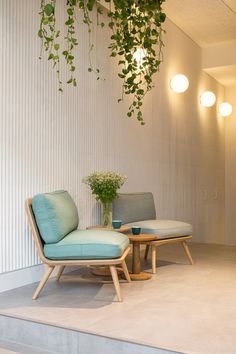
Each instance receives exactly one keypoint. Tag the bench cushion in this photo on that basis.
(164, 228)
(56, 215)
(88, 244)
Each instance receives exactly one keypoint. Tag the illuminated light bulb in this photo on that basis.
(225, 109)
(139, 56)
(207, 99)
(179, 83)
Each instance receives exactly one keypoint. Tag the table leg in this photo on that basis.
(136, 262)
(136, 265)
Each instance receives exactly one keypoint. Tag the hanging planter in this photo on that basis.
(136, 39)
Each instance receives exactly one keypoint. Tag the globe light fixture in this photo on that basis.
(139, 56)
(225, 109)
(207, 99)
(179, 83)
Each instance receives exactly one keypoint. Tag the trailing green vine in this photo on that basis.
(49, 35)
(136, 38)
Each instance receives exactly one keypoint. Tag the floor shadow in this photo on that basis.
(76, 289)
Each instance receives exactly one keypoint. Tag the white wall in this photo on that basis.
(230, 169)
(50, 140)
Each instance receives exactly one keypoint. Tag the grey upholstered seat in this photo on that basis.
(139, 209)
(164, 228)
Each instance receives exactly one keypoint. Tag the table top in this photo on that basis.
(106, 228)
(142, 237)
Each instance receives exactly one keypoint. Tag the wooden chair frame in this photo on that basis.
(51, 264)
(157, 243)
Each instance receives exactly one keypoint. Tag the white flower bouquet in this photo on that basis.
(104, 186)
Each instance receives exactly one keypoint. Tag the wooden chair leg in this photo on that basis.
(126, 272)
(60, 271)
(187, 252)
(116, 281)
(146, 251)
(154, 259)
(43, 281)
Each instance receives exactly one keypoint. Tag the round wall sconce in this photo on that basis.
(179, 83)
(207, 99)
(225, 109)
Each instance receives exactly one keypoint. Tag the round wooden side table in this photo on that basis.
(136, 241)
(122, 229)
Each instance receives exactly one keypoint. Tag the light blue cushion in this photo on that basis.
(88, 244)
(164, 228)
(130, 207)
(56, 215)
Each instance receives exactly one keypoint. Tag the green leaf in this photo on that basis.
(56, 46)
(140, 92)
(40, 34)
(99, 10)
(69, 22)
(70, 12)
(45, 21)
(48, 9)
(90, 4)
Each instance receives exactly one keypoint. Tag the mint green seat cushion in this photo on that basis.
(56, 215)
(88, 244)
(164, 228)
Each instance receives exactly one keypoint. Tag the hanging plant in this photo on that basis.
(136, 39)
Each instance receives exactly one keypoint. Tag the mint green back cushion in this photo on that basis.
(56, 215)
(88, 244)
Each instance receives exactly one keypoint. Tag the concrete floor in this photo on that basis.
(189, 309)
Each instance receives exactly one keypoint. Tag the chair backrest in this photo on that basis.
(131, 207)
(56, 215)
(34, 228)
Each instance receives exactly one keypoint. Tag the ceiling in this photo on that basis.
(207, 22)
(226, 75)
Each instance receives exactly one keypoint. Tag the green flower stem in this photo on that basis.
(107, 214)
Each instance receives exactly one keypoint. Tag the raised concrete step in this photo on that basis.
(46, 339)
(9, 347)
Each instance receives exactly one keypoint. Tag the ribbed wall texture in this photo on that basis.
(50, 140)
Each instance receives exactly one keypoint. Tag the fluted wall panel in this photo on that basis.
(51, 140)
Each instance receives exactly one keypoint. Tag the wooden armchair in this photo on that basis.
(53, 220)
(139, 209)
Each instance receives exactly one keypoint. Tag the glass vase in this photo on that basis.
(107, 214)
